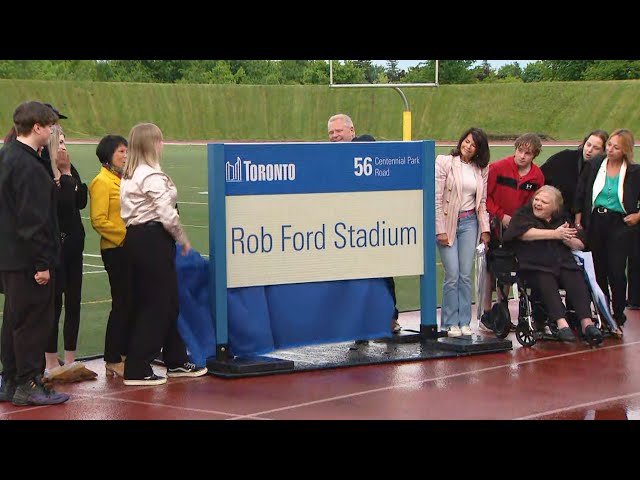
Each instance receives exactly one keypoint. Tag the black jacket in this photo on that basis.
(630, 190)
(538, 255)
(562, 170)
(29, 234)
(72, 197)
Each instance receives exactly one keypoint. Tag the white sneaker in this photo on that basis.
(454, 331)
(466, 330)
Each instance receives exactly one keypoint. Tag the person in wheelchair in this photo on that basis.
(542, 241)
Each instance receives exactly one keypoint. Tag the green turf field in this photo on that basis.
(187, 166)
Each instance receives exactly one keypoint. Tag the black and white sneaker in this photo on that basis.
(150, 380)
(188, 369)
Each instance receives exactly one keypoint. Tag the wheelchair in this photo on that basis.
(533, 321)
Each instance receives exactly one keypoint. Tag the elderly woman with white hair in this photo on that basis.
(543, 241)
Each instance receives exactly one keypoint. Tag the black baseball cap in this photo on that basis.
(60, 116)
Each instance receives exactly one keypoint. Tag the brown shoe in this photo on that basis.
(74, 372)
(114, 369)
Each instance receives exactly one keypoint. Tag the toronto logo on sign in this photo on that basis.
(247, 171)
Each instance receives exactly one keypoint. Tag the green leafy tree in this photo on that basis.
(566, 70)
(455, 71)
(292, 71)
(483, 72)
(371, 72)
(130, 71)
(536, 72)
(316, 73)
(423, 72)
(613, 70)
(392, 72)
(221, 73)
(347, 72)
(512, 70)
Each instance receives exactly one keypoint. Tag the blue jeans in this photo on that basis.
(457, 261)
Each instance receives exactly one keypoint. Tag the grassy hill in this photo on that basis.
(561, 110)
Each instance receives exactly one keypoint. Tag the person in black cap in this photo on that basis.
(55, 110)
(341, 129)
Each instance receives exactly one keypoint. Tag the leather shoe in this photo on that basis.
(566, 335)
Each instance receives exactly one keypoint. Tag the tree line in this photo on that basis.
(315, 72)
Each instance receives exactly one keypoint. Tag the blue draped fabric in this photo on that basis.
(264, 319)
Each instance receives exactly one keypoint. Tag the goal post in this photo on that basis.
(406, 114)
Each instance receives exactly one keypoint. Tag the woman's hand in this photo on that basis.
(565, 232)
(442, 239)
(484, 236)
(186, 248)
(632, 219)
(63, 162)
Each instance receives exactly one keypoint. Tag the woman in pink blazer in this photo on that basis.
(461, 213)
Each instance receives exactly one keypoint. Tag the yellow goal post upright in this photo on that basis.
(406, 114)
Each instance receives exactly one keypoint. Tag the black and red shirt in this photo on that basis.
(507, 191)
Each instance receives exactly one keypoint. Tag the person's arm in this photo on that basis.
(99, 213)
(563, 232)
(581, 189)
(157, 187)
(34, 197)
(492, 184)
(574, 243)
(82, 191)
(441, 181)
(483, 215)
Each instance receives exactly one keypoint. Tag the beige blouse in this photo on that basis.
(151, 195)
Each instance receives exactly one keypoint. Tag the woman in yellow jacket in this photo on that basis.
(104, 192)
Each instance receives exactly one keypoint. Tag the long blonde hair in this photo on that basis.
(53, 146)
(143, 147)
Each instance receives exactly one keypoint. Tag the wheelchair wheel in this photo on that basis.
(525, 336)
(501, 319)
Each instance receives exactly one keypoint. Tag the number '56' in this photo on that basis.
(362, 166)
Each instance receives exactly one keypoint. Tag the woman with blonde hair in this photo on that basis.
(71, 195)
(148, 207)
(607, 207)
(542, 240)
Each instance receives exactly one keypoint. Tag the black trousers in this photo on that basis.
(633, 272)
(610, 240)
(26, 324)
(118, 269)
(546, 286)
(152, 251)
(391, 285)
(69, 286)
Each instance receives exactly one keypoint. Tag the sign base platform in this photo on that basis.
(404, 347)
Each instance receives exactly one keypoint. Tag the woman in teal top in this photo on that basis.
(607, 205)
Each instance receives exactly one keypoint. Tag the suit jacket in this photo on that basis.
(449, 195)
(592, 182)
